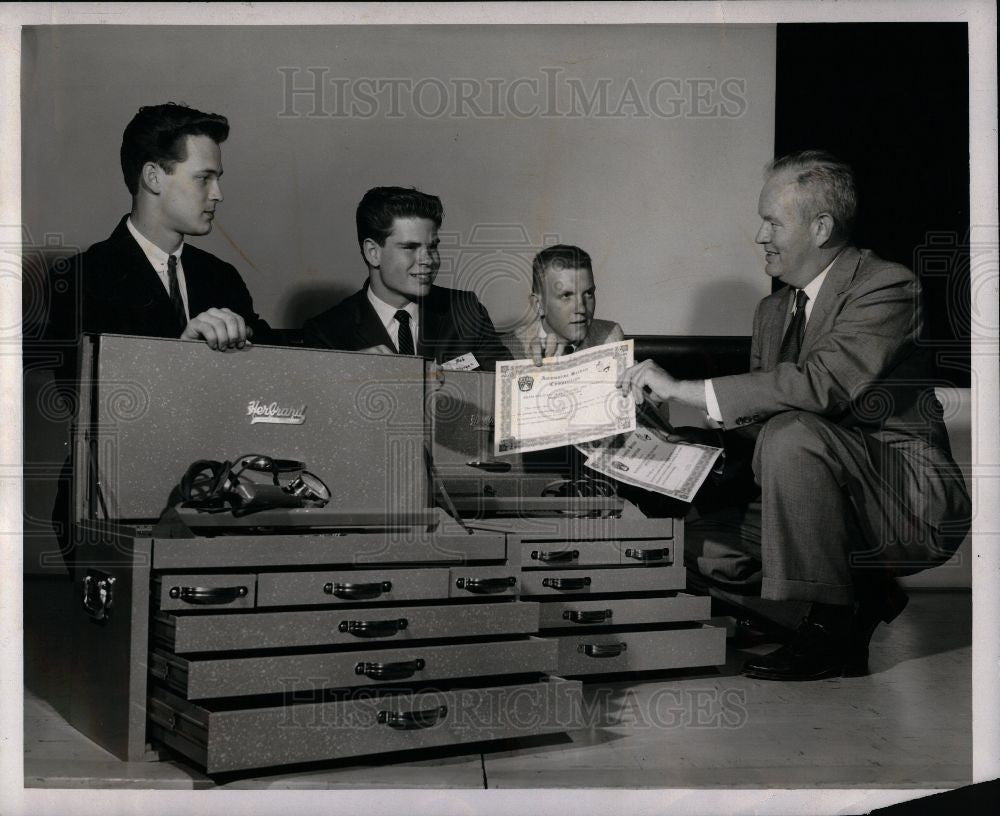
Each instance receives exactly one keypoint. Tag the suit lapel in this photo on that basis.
(367, 330)
(142, 287)
(838, 279)
(773, 326)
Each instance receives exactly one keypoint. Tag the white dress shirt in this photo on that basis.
(387, 314)
(158, 258)
(812, 292)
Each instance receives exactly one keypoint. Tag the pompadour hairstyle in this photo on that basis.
(380, 206)
(158, 133)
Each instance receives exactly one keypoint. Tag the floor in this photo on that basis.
(908, 724)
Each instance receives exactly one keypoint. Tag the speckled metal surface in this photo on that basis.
(162, 404)
(256, 738)
(601, 579)
(626, 611)
(321, 586)
(348, 549)
(202, 679)
(644, 651)
(263, 630)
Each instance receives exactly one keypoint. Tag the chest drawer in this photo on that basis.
(479, 581)
(198, 679)
(600, 580)
(350, 586)
(555, 554)
(237, 738)
(275, 630)
(577, 614)
(598, 653)
(217, 591)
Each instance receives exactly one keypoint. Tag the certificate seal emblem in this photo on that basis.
(526, 382)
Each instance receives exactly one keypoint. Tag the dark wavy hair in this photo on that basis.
(158, 133)
(380, 206)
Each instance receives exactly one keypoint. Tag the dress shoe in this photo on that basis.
(879, 604)
(818, 649)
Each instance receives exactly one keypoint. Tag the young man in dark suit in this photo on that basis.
(145, 279)
(857, 482)
(399, 310)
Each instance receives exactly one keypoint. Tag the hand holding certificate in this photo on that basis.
(567, 400)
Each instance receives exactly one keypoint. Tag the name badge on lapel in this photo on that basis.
(467, 362)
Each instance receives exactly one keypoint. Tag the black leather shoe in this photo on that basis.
(881, 604)
(816, 650)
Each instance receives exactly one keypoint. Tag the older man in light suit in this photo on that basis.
(563, 297)
(849, 449)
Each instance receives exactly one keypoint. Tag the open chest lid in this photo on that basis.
(480, 483)
(151, 407)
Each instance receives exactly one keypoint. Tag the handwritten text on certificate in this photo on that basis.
(565, 401)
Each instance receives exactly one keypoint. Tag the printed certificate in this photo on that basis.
(565, 401)
(644, 458)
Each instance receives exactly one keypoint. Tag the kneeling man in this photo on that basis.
(838, 414)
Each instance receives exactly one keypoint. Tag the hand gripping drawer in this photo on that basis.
(273, 630)
(350, 586)
(225, 739)
(578, 614)
(602, 652)
(594, 580)
(198, 679)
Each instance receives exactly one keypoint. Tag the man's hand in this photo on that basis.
(221, 329)
(550, 346)
(381, 348)
(646, 380)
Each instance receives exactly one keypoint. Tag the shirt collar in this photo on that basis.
(812, 288)
(157, 257)
(386, 312)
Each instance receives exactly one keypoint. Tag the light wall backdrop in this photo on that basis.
(643, 144)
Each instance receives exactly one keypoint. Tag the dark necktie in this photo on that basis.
(404, 341)
(176, 301)
(791, 343)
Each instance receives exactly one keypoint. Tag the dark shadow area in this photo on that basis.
(898, 111)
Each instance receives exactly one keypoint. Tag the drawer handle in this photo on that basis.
(566, 583)
(408, 720)
(208, 595)
(646, 555)
(381, 628)
(390, 671)
(354, 591)
(591, 616)
(602, 649)
(553, 556)
(483, 586)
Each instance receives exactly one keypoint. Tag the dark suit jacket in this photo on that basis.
(111, 288)
(452, 323)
